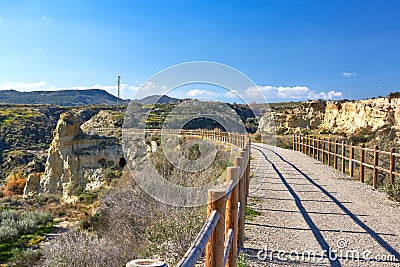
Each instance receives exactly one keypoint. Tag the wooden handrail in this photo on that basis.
(223, 231)
(319, 148)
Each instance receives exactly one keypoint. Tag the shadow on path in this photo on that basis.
(371, 232)
(334, 262)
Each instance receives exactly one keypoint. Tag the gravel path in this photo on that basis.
(307, 207)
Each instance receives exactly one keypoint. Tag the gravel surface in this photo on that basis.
(307, 207)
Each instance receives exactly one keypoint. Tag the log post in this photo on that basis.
(294, 142)
(215, 245)
(362, 156)
(343, 159)
(232, 215)
(309, 146)
(335, 154)
(318, 149)
(243, 154)
(239, 162)
(376, 159)
(329, 152)
(323, 150)
(392, 165)
(351, 159)
(313, 146)
(301, 144)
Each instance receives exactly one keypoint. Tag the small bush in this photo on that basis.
(15, 186)
(393, 190)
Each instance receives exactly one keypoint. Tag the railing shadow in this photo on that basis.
(334, 262)
(372, 233)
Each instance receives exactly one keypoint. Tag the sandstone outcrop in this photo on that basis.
(338, 117)
(75, 159)
(306, 116)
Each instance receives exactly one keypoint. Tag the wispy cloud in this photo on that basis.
(349, 74)
(287, 92)
(47, 19)
(22, 86)
(200, 92)
(38, 50)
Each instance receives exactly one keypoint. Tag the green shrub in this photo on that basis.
(393, 190)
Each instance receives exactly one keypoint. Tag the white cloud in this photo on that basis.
(200, 92)
(21, 86)
(232, 94)
(47, 19)
(287, 92)
(349, 74)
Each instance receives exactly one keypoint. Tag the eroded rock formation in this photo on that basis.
(76, 159)
(339, 117)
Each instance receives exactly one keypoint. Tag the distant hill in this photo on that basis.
(161, 99)
(60, 98)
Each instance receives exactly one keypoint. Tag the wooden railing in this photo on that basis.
(331, 151)
(223, 232)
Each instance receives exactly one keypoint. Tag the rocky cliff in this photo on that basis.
(76, 160)
(340, 117)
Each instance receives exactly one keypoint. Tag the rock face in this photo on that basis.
(75, 159)
(307, 116)
(344, 117)
(361, 116)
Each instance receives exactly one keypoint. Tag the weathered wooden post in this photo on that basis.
(329, 152)
(309, 146)
(343, 159)
(215, 245)
(376, 159)
(294, 141)
(323, 150)
(362, 156)
(239, 162)
(351, 152)
(313, 147)
(318, 145)
(335, 154)
(392, 164)
(232, 214)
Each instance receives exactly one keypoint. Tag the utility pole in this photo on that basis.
(119, 91)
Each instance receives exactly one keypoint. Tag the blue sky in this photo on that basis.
(293, 50)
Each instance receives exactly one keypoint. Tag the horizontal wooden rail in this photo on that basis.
(199, 244)
(323, 150)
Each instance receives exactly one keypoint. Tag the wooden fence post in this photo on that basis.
(323, 150)
(335, 154)
(309, 146)
(351, 159)
(362, 156)
(343, 159)
(294, 142)
(239, 162)
(318, 149)
(392, 164)
(313, 147)
(215, 245)
(329, 152)
(376, 159)
(232, 214)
